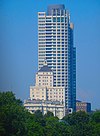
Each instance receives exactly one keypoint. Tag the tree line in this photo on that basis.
(15, 120)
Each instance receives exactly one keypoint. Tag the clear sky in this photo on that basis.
(19, 48)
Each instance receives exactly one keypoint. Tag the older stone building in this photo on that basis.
(83, 106)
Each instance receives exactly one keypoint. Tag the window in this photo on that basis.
(62, 19)
(58, 19)
(54, 19)
(48, 20)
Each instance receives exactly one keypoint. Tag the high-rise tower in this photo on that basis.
(55, 45)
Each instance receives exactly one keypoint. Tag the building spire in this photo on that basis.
(45, 62)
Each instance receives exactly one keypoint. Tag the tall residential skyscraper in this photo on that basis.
(55, 45)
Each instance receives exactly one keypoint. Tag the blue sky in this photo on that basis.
(19, 45)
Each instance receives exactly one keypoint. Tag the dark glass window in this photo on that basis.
(54, 19)
(58, 19)
(62, 19)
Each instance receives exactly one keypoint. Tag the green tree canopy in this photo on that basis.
(15, 120)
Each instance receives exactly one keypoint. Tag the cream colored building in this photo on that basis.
(45, 96)
(47, 93)
(44, 89)
(55, 107)
(44, 77)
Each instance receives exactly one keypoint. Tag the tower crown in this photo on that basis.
(54, 8)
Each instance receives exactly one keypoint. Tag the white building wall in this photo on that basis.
(54, 46)
(44, 79)
(47, 93)
(38, 93)
(57, 109)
